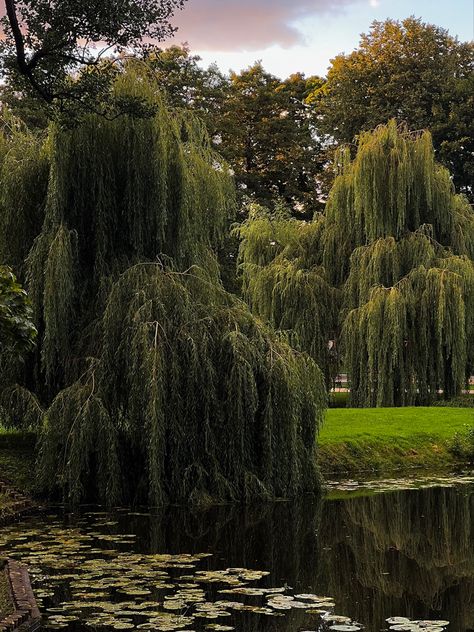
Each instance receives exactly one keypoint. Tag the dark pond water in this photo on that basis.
(397, 551)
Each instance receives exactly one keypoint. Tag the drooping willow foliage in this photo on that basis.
(119, 192)
(191, 398)
(24, 169)
(285, 283)
(407, 330)
(397, 242)
(409, 340)
(157, 384)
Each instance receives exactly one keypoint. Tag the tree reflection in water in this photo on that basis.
(400, 553)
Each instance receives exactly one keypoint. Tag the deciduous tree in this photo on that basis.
(414, 72)
(46, 42)
(396, 244)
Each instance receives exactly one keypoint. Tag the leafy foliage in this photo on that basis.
(269, 138)
(17, 332)
(414, 72)
(157, 384)
(259, 123)
(191, 398)
(45, 42)
(409, 287)
(24, 169)
(462, 445)
(285, 282)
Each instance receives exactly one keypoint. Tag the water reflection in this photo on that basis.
(400, 553)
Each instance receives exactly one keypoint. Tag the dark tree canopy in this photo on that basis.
(46, 41)
(156, 384)
(414, 72)
(269, 137)
(258, 122)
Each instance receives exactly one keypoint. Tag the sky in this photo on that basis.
(300, 35)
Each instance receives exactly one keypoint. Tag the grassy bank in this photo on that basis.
(17, 458)
(383, 439)
(352, 441)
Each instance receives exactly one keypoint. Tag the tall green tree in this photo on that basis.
(411, 71)
(396, 248)
(187, 84)
(269, 137)
(157, 384)
(24, 170)
(259, 123)
(285, 282)
(45, 42)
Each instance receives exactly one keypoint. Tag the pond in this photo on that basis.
(365, 554)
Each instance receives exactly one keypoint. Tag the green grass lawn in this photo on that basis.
(386, 439)
(375, 424)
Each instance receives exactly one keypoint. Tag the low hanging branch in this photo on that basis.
(193, 399)
(285, 283)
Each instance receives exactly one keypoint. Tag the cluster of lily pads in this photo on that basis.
(399, 484)
(86, 577)
(403, 624)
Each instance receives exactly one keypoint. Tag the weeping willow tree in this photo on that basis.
(409, 286)
(157, 385)
(191, 397)
(24, 168)
(396, 244)
(119, 192)
(285, 282)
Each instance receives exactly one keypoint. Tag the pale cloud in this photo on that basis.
(231, 25)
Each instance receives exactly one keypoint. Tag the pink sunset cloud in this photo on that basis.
(247, 24)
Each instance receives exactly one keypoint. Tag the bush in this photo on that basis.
(462, 445)
(461, 401)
